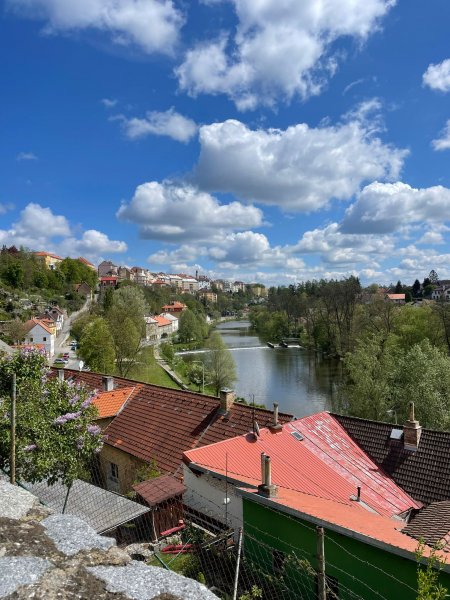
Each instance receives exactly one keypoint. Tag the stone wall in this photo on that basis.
(53, 556)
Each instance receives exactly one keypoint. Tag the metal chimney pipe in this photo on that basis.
(263, 468)
(61, 374)
(268, 471)
(358, 496)
(275, 413)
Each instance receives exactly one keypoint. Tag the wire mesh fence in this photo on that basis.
(245, 562)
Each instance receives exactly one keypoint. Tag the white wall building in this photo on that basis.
(39, 334)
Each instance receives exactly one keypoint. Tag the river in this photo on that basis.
(301, 383)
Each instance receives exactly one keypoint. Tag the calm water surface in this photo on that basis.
(301, 383)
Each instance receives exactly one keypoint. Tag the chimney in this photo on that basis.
(61, 374)
(226, 400)
(107, 383)
(275, 425)
(266, 489)
(411, 431)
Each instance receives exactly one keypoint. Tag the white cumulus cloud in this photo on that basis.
(169, 123)
(38, 228)
(280, 49)
(182, 213)
(443, 142)
(386, 207)
(437, 76)
(336, 247)
(151, 25)
(300, 168)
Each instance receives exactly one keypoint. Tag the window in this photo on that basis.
(45, 339)
(31, 339)
(114, 470)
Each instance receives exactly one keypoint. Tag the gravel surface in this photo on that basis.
(20, 570)
(71, 534)
(140, 582)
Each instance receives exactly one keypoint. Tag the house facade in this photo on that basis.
(40, 334)
(50, 260)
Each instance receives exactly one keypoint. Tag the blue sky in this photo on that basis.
(269, 140)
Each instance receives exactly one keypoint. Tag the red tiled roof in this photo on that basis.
(108, 404)
(162, 322)
(161, 423)
(154, 491)
(110, 278)
(33, 322)
(85, 262)
(48, 254)
(326, 463)
(173, 305)
(396, 296)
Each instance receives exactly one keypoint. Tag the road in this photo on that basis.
(63, 340)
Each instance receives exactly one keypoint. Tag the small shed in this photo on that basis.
(164, 496)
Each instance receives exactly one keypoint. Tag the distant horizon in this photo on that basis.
(270, 142)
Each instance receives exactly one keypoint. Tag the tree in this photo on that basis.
(416, 288)
(428, 586)
(127, 325)
(189, 327)
(433, 277)
(399, 288)
(55, 435)
(383, 377)
(219, 363)
(16, 331)
(97, 346)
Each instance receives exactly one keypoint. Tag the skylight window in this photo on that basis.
(298, 436)
(396, 434)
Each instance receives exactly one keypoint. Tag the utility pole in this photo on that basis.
(12, 467)
(321, 581)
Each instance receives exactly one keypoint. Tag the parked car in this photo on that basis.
(59, 362)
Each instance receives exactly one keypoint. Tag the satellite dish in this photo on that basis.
(81, 365)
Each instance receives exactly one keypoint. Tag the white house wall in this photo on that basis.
(207, 494)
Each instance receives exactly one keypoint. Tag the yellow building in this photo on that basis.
(50, 260)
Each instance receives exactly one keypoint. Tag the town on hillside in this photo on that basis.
(162, 456)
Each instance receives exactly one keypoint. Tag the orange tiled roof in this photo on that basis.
(48, 254)
(162, 321)
(109, 404)
(85, 262)
(33, 322)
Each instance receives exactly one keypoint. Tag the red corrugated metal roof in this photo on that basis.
(326, 464)
(353, 518)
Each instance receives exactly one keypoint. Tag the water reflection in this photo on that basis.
(299, 381)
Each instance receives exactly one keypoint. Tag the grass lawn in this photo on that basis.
(149, 371)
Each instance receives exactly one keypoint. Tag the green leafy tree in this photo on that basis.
(428, 586)
(219, 364)
(55, 435)
(127, 325)
(383, 377)
(97, 346)
(190, 327)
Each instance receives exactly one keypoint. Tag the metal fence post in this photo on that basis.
(322, 592)
(12, 469)
(236, 575)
